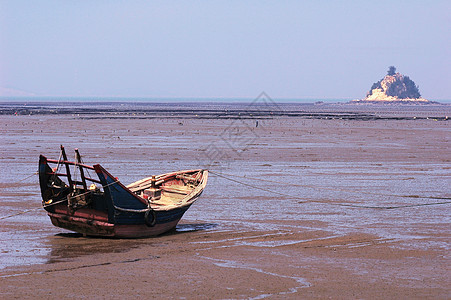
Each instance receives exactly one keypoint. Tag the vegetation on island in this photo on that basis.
(391, 71)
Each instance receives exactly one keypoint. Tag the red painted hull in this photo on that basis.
(93, 227)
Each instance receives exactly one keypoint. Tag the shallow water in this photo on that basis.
(282, 193)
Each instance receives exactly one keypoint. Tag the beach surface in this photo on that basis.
(303, 201)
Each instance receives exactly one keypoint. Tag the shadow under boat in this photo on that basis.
(69, 245)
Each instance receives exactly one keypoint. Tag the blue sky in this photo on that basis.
(222, 49)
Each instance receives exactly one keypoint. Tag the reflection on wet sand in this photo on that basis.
(193, 227)
(68, 245)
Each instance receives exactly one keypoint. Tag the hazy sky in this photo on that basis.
(226, 49)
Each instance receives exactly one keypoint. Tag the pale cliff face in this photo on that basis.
(379, 94)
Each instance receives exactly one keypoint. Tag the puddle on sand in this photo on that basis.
(22, 248)
(195, 227)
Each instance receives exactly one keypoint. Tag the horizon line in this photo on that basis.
(173, 99)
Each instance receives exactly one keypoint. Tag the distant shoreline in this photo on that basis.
(397, 102)
(237, 110)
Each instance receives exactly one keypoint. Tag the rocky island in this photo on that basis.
(394, 88)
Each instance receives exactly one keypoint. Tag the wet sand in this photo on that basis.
(305, 225)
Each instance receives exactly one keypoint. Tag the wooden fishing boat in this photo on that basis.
(106, 207)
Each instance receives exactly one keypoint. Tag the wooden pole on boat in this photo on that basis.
(82, 174)
(69, 178)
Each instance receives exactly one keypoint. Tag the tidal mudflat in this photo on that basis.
(339, 201)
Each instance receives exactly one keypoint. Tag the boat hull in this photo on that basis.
(104, 229)
(89, 223)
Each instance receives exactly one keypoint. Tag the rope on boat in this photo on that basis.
(19, 213)
(35, 173)
(332, 189)
(305, 200)
(138, 211)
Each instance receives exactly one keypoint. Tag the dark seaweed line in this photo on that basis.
(124, 113)
(83, 266)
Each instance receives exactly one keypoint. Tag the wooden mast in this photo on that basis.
(69, 177)
(82, 173)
